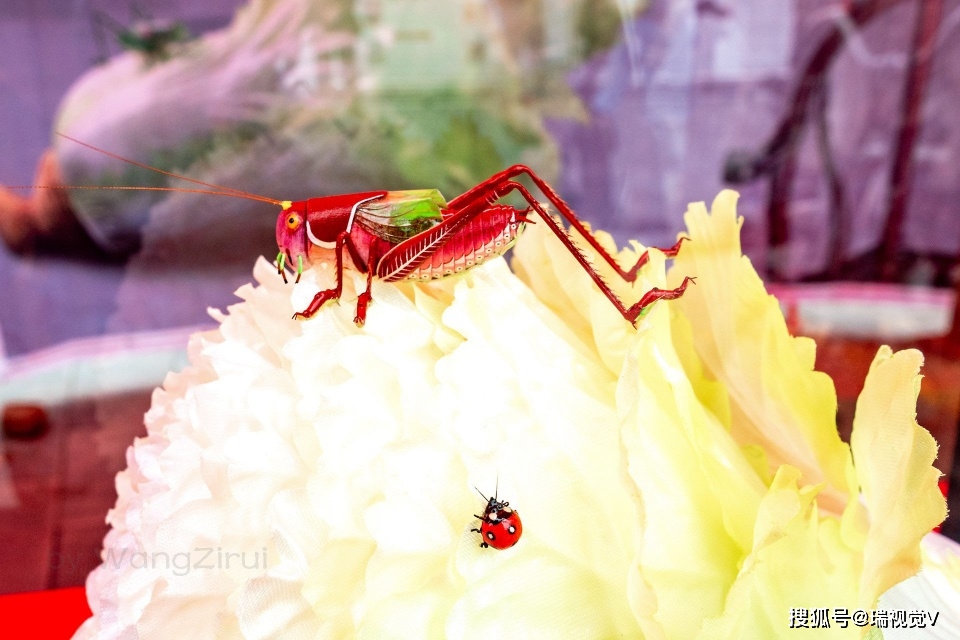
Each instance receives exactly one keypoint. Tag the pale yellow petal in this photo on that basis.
(561, 283)
(777, 400)
(894, 458)
(700, 494)
(798, 561)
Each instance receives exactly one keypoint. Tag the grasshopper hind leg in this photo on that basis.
(631, 313)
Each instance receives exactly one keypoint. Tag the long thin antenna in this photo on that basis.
(220, 188)
(109, 188)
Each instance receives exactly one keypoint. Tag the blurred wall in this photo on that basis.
(45, 45)
(664, 101)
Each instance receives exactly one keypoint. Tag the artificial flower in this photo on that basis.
(680, 479)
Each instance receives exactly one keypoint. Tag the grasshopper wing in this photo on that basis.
(400, 215)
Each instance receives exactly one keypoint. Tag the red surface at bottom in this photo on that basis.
(944, 485)
(39, 615)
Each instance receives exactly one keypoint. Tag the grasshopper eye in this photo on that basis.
(293, 221)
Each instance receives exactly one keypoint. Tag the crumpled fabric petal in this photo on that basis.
(680, 479)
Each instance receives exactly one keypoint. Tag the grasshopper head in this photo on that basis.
(292, 236)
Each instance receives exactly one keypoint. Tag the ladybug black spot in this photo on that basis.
(512, 529)
(490, 535)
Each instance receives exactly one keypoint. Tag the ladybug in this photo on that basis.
(500, 525)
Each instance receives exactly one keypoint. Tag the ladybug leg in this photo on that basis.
(483, 545)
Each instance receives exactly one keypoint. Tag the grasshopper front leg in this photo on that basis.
(327, 295)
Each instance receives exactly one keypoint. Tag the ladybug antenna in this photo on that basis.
(485, 498)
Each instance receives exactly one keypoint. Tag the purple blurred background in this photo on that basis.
(45, 46)
(684, 86)
(680, 99)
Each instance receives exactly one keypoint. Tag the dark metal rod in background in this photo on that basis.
(778, 158)
(839, 218)
(929, 15)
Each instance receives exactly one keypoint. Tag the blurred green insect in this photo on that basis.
(153, 38)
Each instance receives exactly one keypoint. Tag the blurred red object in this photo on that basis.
(944, 485)
(24, 421)
(39, 615)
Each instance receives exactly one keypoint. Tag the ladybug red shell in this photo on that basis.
(500, 526)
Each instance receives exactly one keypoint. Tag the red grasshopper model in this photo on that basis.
(416, 235)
